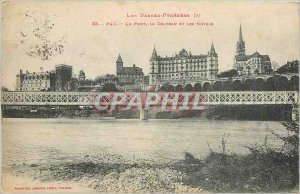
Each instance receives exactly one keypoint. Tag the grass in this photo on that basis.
(255, 172)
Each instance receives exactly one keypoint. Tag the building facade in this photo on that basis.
(108, 78)
(55, 80)
(183, 66)
(250, 65)
(35, 81)
(129, 75)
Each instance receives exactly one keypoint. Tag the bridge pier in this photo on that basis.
(144, 115)
(295, 112)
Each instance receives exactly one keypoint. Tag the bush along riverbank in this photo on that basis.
(263, 169)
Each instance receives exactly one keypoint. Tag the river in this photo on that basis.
(47, 140)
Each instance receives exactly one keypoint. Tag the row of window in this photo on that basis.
(36, 77)
(129, 75)
(34, 89)
(202, 60)
(35, 84)
(34, 81)
(252, 60)
(191, 75)
(182, 67)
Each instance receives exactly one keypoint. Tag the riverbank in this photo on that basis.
(215, 173)
(108, 173)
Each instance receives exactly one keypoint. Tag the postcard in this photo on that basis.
(150, 96)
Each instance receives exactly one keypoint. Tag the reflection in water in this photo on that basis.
(44, 140)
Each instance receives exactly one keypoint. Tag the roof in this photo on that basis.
(63, 65)
(131, 71)
(242, 57)
(183, 53)
(154, 54)
(212, 50)
(107, 76)
(119, 60)
(254, 55)
(266, 57)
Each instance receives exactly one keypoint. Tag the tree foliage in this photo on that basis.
(109, 87)
(229, 73)
(4, 89)
(289, 67)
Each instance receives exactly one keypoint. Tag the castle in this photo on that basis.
(55, 80)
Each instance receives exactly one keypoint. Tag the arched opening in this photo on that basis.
(178, 88)
(227, 86)
(162, 89)
(282, 84)
(170, 88)
(294, 83)
(206, 86)
(217, 86)
(260, 84)
(188, 87)
(198, 87)
(237, 85)
(249, 85)
(270, 84)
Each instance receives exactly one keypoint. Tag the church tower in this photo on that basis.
(153, 67)
(119, 64)
(240, 45)
(212, 62)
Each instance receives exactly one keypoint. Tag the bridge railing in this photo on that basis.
(205, 98)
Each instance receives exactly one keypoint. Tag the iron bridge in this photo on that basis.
(205, 98)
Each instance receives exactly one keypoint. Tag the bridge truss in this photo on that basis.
(205, 98)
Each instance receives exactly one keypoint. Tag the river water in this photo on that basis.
(44, 140)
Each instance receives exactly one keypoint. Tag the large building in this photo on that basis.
(183, 66)
(250, 65)
(129, 75)
(35, 81)
(55, 80)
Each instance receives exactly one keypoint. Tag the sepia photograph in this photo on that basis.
(150, 96)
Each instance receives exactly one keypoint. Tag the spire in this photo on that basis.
(119, 60)
(241, 34)
(240, 45)
(212, 49)
(154, 54)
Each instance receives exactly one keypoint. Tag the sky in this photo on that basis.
(77, 34)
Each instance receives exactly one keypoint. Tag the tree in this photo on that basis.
(274, 65)
(291, 140)
(229, 73)
(289, 67)
(4, 89)
(109, 87)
